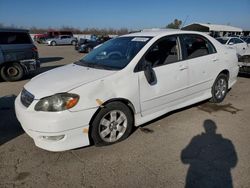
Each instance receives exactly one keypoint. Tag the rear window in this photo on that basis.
(197, 46)
(15, 38)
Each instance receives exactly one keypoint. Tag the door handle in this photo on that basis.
(183, 67)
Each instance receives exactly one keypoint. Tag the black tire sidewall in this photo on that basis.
(8, 78)
(107, 108)
(214, 99)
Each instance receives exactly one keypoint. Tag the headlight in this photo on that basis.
(83, 45)
(57, 102)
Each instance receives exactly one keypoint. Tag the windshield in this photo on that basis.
(222, 41)
(114, 54)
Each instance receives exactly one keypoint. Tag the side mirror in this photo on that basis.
(231, 43)
(149, 73)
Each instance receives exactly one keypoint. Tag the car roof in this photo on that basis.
(160, 32)
(13, 30)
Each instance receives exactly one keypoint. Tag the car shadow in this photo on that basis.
(49, 59)
(210, 158)
(244, 75)
(143, 126)
(9, 125)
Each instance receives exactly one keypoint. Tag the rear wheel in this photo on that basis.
(112, 124)
(219, 89)
(12, 72)
(73, 43)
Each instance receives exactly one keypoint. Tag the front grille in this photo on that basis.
(26, 98)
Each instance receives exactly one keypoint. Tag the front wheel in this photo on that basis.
(219, 89)
(73, 43)
(53, 43)
(112, 124)
(12, 72)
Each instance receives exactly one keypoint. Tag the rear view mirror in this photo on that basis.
(231, 43)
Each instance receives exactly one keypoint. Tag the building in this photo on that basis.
(214, 29)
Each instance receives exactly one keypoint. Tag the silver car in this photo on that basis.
(61, 39)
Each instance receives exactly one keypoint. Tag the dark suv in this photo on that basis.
(18, 54)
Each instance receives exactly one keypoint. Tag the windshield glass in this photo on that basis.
(222, 41)
(114, 54)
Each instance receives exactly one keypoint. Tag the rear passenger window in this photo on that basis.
(14, 38)
(197, 46)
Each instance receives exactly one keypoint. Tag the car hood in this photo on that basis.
(64, 79)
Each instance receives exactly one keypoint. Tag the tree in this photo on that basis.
(176, 24)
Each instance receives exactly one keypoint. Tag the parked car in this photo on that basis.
(41, 38)
(125, 82)
(62, 40)
(246, 39)
(18, 54)
(234, 42)
(85, 45)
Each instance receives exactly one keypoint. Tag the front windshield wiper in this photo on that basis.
(94, 65)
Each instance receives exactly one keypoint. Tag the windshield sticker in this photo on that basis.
(140, 39)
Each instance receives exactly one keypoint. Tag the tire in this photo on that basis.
(219, 89)
(12, 72)
(73, 43)
(112, 124)
(53, 43)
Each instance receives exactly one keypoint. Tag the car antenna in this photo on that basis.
(185, 21)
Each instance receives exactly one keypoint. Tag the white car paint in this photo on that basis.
(236, 43)
(178, 85)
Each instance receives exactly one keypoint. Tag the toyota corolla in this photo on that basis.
(125, 82)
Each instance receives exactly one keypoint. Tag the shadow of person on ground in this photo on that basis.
(211, 158)
(9, 125)
(49, 59)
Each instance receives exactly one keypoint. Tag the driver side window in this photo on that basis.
(163, 52)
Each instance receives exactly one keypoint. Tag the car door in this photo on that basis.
(170, 76)
(63, 40)
(202, 60)
(68, 40)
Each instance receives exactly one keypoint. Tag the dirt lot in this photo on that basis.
(202, 144)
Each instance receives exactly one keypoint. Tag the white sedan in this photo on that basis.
(62, 40)
(238, 44)
(125, 82)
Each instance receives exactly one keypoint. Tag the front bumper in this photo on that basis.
(30, 65)
(41, 126)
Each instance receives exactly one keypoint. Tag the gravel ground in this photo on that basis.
(205, 145)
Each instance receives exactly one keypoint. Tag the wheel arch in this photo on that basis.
(226, 72)
(122, 100)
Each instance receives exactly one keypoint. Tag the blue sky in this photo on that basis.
(131, 14)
